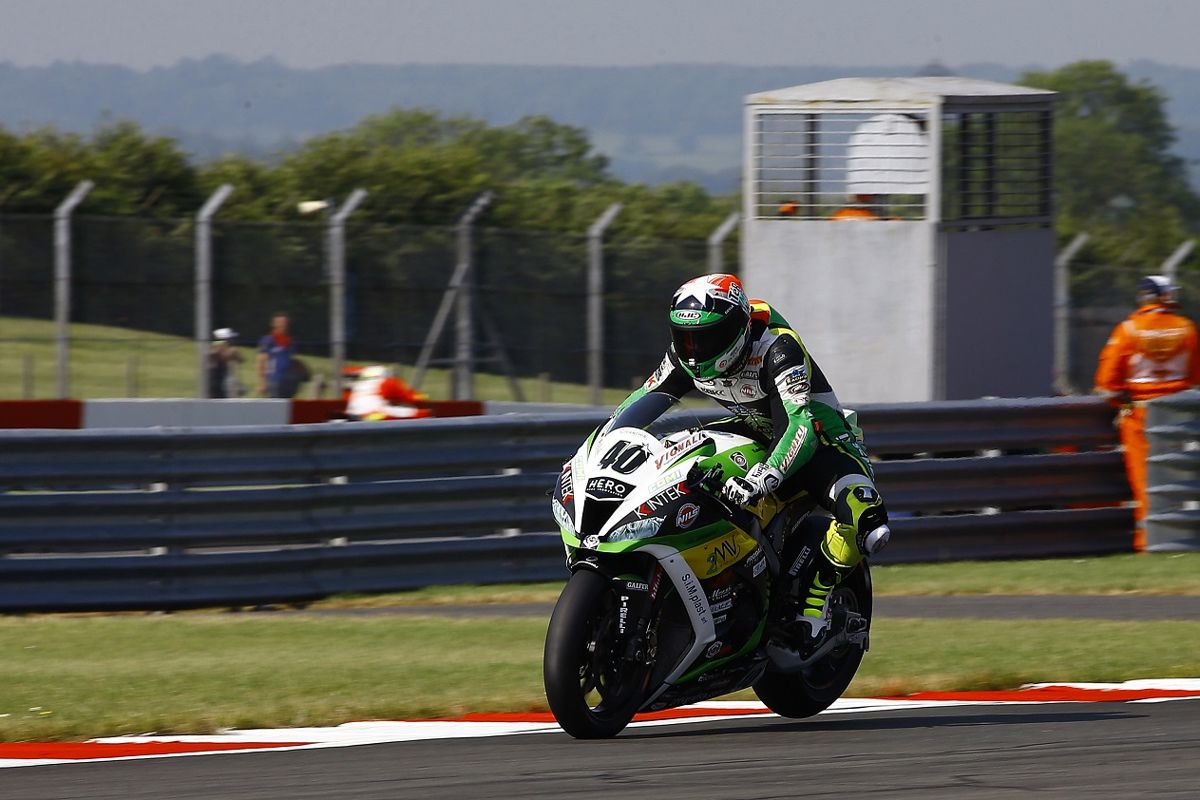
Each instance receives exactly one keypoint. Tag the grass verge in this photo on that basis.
(76, 677)
(1145, 573)
(111, 362)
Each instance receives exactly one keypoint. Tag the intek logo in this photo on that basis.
(668, 495)
(566, 486)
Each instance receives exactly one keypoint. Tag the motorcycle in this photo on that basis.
(676, 596)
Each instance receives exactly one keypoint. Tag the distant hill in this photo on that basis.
(656, 123)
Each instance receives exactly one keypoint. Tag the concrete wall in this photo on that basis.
(997, 326)
(861, 296)
(173, 413)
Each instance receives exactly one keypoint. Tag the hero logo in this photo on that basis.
(668, 495)
(687, 515)
(687, 316)
(607, 489)
(690, 442)
(695, 596)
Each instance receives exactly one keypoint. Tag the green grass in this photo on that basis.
(1146, 573)
(118, 362)
(74, 677)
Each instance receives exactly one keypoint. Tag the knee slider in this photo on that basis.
(871, 542)
(861, 507)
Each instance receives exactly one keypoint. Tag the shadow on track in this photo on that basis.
(892, 723)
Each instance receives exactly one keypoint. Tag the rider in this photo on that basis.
(744, 355)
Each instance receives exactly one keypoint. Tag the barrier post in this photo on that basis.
(716, 241)
(62, 281)
(595, 300)
(1062, 314)
(203, 278)
(337, 284)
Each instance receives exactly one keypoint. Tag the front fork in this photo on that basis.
(637, 598)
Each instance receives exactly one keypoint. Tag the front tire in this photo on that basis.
(592, 692)
(811, 691)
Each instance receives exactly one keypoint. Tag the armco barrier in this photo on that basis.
(1173, 472)
(164, 518)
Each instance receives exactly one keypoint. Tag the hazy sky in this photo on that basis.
(307, 33)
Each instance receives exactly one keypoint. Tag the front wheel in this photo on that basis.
(814, 689)
(592, 691)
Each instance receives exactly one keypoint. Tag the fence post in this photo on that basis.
(595, 300)
(203, 278)
(457, 282)
(62, 281)
(1171, 265)
(716, 241)
(464, 331)
(1062, 314)
(337, 285)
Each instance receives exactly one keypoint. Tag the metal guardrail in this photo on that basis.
(184, 517)
(1173, 472)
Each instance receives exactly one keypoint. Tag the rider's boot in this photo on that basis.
(817, 583)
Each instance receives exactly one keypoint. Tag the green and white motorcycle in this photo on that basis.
(677, 597)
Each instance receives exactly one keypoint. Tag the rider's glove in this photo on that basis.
(760, 480)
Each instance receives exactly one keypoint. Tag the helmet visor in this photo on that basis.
(705, 342)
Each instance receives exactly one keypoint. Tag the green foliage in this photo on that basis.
(1115, 174)
(418, 166)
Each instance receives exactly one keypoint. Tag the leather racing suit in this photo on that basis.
(780, 397)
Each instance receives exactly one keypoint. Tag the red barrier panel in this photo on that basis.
(41, 414)
(305, 411)
(452, 408)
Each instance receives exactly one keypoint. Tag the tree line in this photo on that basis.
(1116, 174)
(420, 167)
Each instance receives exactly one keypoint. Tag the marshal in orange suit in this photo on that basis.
(1151, 353)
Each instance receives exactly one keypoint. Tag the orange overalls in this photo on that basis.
(1152, 353)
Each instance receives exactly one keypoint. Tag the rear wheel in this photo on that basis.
(592, 691)
(811, 691)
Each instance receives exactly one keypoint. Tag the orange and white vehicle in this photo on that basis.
(377, 394)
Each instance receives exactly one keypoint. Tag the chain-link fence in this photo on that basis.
(133, 301)
(1101, 295)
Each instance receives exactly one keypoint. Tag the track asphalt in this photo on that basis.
(1101, 751)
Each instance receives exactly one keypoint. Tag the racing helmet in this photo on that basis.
(1156, 289)
(710, 325)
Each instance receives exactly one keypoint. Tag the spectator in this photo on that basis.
(864, 207)
(1152, 353)
(276, 351)
(223, 359)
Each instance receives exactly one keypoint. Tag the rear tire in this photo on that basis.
(591, 691)
(811, 691)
